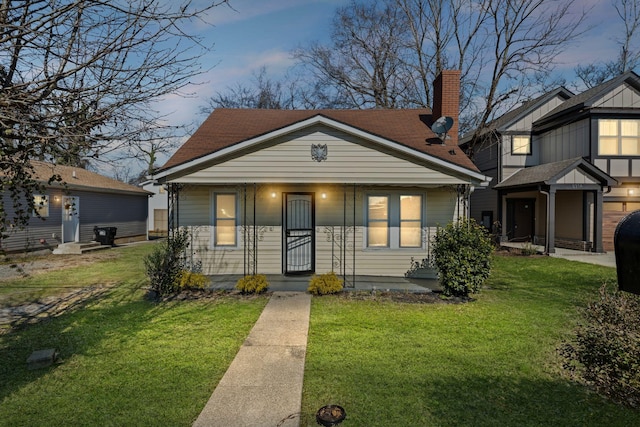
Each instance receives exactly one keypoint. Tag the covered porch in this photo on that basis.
(554, 205)
(291, 231)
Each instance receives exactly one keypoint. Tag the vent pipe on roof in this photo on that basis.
(73, 173)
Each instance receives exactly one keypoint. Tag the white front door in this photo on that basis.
(70, 219)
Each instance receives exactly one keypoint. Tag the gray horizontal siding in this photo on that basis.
(128, 213)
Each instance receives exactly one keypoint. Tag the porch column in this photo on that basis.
(597, 222)
(502, 217)
(551, 221)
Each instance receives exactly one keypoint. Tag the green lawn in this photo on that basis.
(124, 360)
(491, 362)
(128, 361)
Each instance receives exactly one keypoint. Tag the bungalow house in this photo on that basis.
(566, 167)
(304, 191)
(70, 210)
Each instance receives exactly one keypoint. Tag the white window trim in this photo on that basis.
(388, 221)
(421, 220)
(394, 221)
(212, 237)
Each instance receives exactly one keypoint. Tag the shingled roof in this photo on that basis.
(227, 127)
(82, 179)
(548, 173)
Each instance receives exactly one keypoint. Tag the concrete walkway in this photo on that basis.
(263, 385)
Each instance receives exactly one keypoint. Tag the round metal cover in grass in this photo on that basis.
(330, 415)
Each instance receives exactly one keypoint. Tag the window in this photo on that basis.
(618, 137)
(410, 221)
(225, 219)
(520, 145)
(41, 206)
(378, 221)
(395, 221)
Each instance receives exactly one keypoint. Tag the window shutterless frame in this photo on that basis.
(411, 208)
(225, 219)
(520, 145)
(378, 221)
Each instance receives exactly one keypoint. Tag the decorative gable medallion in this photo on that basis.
(319, 152)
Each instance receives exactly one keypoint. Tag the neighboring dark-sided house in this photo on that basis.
(69, 214)
(566, 167)
(357, 192)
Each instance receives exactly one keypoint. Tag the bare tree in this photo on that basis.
(262, 92)
(363, 66)
(628, 58)
(79, 78)
(387, 53)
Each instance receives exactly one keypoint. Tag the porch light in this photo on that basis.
(631, 192)
(273, 194)
(323, 195)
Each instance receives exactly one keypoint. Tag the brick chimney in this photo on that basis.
(446, 101)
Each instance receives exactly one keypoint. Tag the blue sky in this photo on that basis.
(253, 34)
(258, 33)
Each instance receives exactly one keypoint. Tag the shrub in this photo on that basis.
(324, 284)
(165, 264)
(528, 249)
(190, 280)
(255, 284)
(605, 353)
(462, 254)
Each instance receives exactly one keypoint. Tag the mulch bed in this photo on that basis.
(394, 296)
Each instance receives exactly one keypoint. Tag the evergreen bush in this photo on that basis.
(191, 280)
(462, 254)
(254, 284)
(323, 284)
(165, 264)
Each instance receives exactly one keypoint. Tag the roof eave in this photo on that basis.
(163, 175)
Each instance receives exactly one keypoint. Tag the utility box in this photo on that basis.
(626, 242)
(105, 235)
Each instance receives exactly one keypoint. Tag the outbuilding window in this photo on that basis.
(41, 205)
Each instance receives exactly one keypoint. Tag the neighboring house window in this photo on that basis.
(378, 221)
(520, 145)
(41, 206)
(411, 221)
(225, 219)
(395, 221)
(618, 137)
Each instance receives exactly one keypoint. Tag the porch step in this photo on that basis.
(78, 248)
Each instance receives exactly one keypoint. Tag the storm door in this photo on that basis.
(299, 237)
(70, 219)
